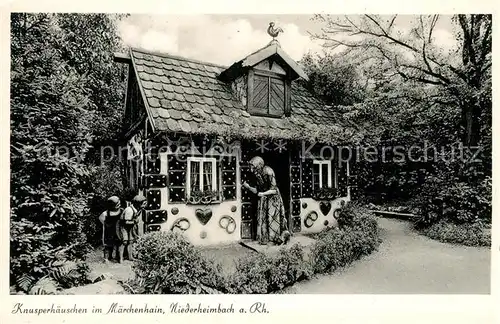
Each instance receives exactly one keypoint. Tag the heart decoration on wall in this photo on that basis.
(325, 207)
(203, 215)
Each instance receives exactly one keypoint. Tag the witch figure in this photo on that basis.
(271, 219)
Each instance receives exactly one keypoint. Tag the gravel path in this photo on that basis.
(408, 263)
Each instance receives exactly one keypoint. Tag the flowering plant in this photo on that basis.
(326, 194)
(203, 197)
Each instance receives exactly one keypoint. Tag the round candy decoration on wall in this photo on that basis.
(310, 219)
(203, 234)
(181, 224)
(227, 222)
(233, 208)
(325, 223)
(336, 213)
(304, 205)
(175, 211)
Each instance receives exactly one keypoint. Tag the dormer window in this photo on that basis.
(268, 95)
(268, 74)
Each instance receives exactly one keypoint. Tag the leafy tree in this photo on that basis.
(418, 95)
(63, 98)
(90, 41)
(336, 81)
(49, 137)
(463, 79)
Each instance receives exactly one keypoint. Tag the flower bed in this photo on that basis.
(167, 263)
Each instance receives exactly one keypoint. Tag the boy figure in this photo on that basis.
(131, 226)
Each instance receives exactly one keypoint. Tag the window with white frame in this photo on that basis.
(323, 174)
(201, 175)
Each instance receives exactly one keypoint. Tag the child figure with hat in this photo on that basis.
(131, 226)
(109, 220)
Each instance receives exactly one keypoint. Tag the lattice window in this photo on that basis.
(201, 174)
(324, 176)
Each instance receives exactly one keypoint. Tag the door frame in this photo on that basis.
(286, 184)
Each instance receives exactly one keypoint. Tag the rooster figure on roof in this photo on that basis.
(273, 31)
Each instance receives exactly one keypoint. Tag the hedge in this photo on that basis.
(469, 234)
(168, 263)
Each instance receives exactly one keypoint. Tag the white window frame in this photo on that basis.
(329, 168)
(201, 160)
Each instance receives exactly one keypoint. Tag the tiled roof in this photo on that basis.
(184, 95)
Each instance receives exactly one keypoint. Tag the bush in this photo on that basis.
(166, 263)
(357, 235)
(348, 212)
(458, 202)
(467, 234)
(252, 274)
(60, 274)
(260, 273)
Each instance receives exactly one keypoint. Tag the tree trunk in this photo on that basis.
(471, 114)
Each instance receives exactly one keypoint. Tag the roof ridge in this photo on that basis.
(258, 50)
(181, 58)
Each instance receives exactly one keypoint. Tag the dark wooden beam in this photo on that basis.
(122, 58)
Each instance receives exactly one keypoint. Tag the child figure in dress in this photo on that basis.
(109, 220)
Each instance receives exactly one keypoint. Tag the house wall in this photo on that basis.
(164, 184)
(239, 87)
(165, 189)
(134, 159)
(134, 106)
(318, 213)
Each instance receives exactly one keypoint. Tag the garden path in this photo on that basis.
(408, 263)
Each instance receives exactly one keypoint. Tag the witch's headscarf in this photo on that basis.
(114, 203)
(257, 163)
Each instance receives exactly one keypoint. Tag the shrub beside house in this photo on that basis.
(168, 263)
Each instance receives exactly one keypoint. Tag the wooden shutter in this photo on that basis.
(307, 178)
(228, 166)
(266, 95)
(177, 166)
(261, 94)
(342, 179)
(277, 97)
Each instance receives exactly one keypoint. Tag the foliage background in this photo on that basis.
(405, 91)
(66, 95)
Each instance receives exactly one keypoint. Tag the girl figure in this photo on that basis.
(131, 226)
(109, 220)
(271, 220)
